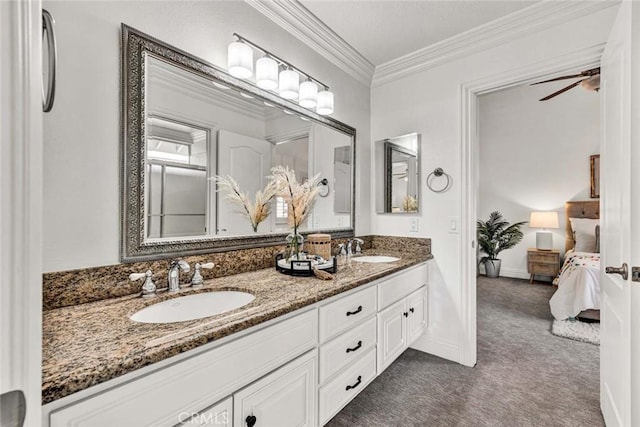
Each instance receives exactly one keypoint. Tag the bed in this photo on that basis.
(578, 293)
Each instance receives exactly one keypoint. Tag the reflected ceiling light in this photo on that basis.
(240, 60)
(325, 103)
(308, 94)
(220, 86)
(268, 104)
(304, 118)
(267, 73)
(289, 84)
(287, 112)
(246, 95)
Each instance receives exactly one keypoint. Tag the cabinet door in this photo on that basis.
(286, 397)
(392, 334)
(417, 322)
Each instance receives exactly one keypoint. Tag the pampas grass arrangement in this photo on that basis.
(299, 197)
(255, 211)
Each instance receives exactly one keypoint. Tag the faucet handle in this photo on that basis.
(149, 288)
(197, 280)
(342, 250)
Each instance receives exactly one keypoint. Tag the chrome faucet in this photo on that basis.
(173, 276)
(357, 250)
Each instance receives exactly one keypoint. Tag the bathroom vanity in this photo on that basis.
(294, 356)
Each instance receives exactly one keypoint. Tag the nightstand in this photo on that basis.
(543, 263)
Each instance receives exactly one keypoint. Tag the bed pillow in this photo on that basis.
(584, 233)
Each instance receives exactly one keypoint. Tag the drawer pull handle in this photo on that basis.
(251, 420)
(351, 313)
(405, 314)
(349, 350)
(349, 387)
(412, 309)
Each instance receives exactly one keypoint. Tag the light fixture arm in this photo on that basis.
(279, 60)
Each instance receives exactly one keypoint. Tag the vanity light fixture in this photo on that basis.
(273, 73)
(289, 84)
(240, 60)
(267, 73)
(325, 103)
(308, 94)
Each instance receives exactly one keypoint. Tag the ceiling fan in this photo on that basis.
(590, 81)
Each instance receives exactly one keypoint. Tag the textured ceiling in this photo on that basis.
(385, 30)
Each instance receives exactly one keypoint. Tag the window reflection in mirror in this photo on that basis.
(398, 174)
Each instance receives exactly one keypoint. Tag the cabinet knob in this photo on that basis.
(405, 314)
(251, 420)
(412, 309)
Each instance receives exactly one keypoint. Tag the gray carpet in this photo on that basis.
(524, 376)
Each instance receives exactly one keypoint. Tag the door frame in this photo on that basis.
(469, 126)
(21, 202)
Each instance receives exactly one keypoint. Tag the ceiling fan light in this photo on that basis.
(325, 103)
(240, 60)
(267, 73)
(308, 94)
(289, 84)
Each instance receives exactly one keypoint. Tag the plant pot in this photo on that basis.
(492, 267)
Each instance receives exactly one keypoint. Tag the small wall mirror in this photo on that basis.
(398, 177)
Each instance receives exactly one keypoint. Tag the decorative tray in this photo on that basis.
(305, 267)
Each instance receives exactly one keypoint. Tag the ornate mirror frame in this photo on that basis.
(135, 45)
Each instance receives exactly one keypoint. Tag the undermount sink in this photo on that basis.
(376, 258)
(192, 307)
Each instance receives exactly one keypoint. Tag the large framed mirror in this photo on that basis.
(398, 174)
(186, 121)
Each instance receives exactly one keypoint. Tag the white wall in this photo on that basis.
(82, 133)
(534, 156)
(429, 102)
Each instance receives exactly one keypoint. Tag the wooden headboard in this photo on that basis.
(587, 209)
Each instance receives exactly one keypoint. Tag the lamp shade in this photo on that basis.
(544, 220)
(325, 103)
(240, 60)
(289, 84)
(308, 94)
(267, 73)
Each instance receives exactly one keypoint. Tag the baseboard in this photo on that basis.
(438, 347)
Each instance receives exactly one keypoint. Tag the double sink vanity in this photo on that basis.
(294, 352)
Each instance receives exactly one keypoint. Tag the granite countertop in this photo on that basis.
(91, 343)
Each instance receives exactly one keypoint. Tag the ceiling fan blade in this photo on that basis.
(559, 78)
(554, 94)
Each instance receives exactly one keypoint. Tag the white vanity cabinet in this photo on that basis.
(169, 395)
(403, 315)
(285, 398)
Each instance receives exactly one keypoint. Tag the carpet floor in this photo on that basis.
(524, 375)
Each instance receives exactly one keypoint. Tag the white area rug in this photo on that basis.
(577, 330)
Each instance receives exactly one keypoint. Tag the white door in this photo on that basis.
(248, 161)
(618, 192)
(417, 320)
(285, 398)
(392, 334)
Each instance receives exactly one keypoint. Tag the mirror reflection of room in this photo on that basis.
(398, 180)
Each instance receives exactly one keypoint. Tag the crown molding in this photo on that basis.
(537, 17)
(306, 27)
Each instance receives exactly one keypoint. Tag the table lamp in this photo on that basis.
(544, 220)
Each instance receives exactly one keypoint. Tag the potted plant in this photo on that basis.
(495, 236)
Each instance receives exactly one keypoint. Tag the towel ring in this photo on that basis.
(438, 172)
(324, 187)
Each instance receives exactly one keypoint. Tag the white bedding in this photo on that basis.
(578, 285)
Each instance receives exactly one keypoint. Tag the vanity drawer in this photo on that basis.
(348, 347)
(401, 285)
(341, 390)
(162, 397)
(346, 312)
